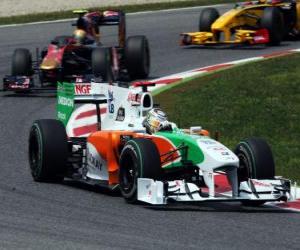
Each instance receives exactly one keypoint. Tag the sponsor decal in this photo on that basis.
(134, 99)
(93, 161)
(257, 183)
(120, 114)
(208, 142)
(111, 106)
(225, 153)
(216, 148)
(83, 89)
(110, 13)
(65, 101)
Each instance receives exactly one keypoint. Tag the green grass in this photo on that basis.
(257, 99)
(128, 8)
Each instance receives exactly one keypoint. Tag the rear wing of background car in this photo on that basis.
(107, 18)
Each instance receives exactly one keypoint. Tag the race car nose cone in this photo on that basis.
(186, 39)
(49, 64)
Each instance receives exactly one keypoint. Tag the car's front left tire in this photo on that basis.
(139, 159)
(21, 63)
(48, 150)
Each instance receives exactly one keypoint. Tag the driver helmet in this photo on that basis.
(79, 35)
(155, 121)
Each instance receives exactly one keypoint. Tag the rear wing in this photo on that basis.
(108, 18)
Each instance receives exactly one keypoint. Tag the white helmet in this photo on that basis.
(155, 121)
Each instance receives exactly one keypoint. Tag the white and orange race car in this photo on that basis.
(113, 149)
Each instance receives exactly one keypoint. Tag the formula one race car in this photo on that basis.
(255, 22)
(170, 164)
(70, 57)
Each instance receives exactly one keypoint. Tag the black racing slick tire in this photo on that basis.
(137, 57)
(207, 17)
(48, 150)
(21, 63)
(102, 64)
(139, 159)
(256, 162)
(273, 21)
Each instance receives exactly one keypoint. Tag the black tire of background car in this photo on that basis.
(272, 20)
(102, 64)
(139, 159)
(21, 63)
(137, 57)
(48, 150)
(256, 162)
(207, 17)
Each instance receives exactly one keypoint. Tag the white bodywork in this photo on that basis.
(125, 109)
(131, 100)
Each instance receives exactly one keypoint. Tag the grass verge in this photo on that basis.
(256, 99)
(127, 8)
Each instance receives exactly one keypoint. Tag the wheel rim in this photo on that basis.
(243, 170)
(128, 173)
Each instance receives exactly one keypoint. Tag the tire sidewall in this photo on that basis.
(247, 162)
(207, 17)
(48, 145)
(270, 21)
(102, 64)
(21, 64)
(137, 57)
(36, 168)
(131, 150)
(256, 155)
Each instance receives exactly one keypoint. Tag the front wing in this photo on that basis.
(161, 193)
(212, 38)
(17, 83)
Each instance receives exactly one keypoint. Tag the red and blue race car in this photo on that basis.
(68, 58)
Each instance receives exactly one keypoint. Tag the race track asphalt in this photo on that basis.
(71, 216)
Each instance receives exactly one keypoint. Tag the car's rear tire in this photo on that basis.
(137, 57)
(48, 150)
(256, 162)
(139, 159)
(207, 17)
(273, 21)
(102, 64)
(21, 63)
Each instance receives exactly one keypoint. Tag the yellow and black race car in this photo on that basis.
(255, 22)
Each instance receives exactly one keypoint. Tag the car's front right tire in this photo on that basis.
(256, 162)
(272, 20)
